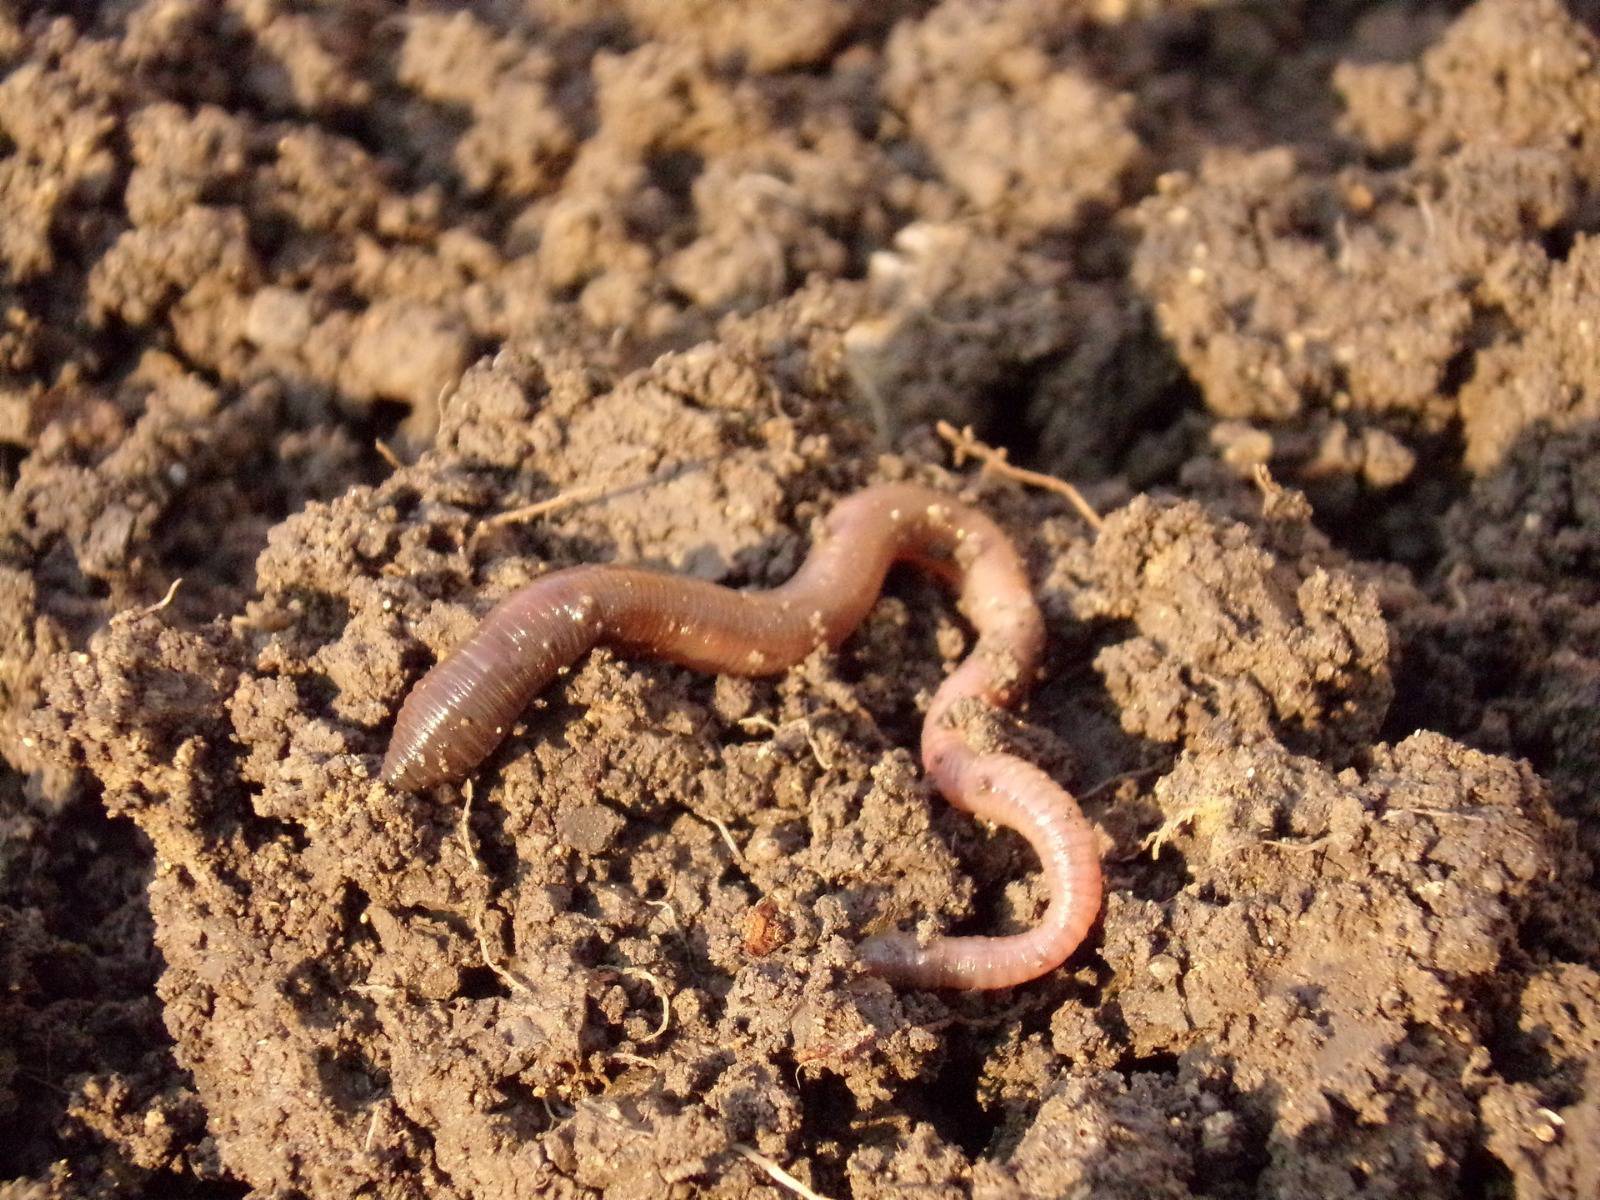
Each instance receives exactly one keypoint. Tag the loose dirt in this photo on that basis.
(303, 303)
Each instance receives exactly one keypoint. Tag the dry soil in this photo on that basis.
(300, 298)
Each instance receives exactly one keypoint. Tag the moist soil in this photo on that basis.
(303, 304)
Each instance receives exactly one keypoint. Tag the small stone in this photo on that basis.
(589, 828)
(1163, 969)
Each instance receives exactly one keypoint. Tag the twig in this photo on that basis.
(441, 403)
(966, 444)
(778, 1175)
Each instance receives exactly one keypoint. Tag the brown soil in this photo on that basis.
(298, 296)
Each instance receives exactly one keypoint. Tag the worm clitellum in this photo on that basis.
(462, 708)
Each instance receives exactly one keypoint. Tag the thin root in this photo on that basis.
(666, 907)
(772, 727)
(388, 455)
(1285, 844)
(666, 1001)
(494, 964)
(466, 829)
(1422, 811)
(164, 601)
(727, 836)
(776, 1173)
(1111, 781)
(1160, 837)
(1261, 476)
(560, 500)
(489, 959)
(966, 445)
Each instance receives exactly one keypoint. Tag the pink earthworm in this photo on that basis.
(463, 707)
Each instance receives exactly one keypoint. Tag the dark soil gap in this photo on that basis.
(1484, 1177)
(1558, 242)
(832, 1115)
(1158, 1063)
(481, 983)
(1405, 523)
(954, 1109)
(1008, 426)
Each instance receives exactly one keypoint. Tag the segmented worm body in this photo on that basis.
(462, 708)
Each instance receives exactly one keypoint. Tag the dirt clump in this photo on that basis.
(1230, 633)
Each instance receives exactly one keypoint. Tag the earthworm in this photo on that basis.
(460, 710)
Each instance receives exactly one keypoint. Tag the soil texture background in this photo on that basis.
(303, 302)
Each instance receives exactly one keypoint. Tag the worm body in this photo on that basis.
(459, 711)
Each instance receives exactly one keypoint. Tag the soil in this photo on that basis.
(301, 302)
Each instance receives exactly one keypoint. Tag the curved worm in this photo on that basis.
(463, 707)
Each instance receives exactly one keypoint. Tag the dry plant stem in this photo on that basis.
(965, 443)
(388, 455)
(556, 503)
(774, 1172)
(171, 594)
(461, 709)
